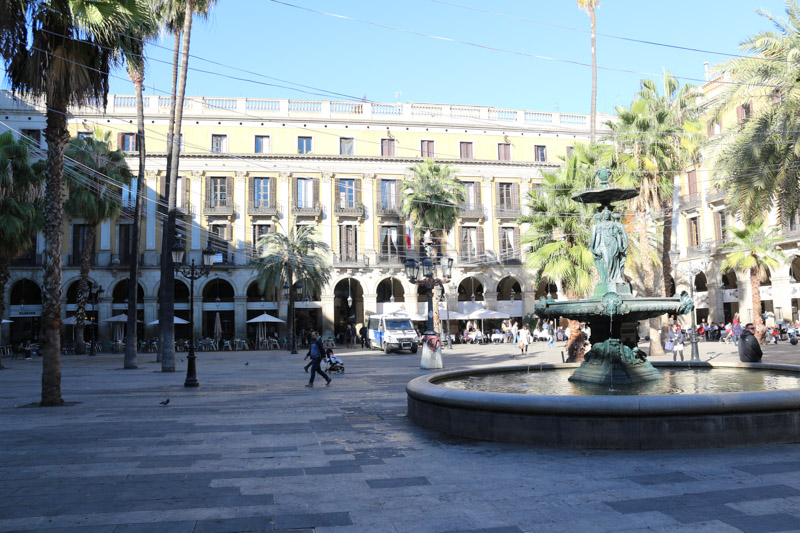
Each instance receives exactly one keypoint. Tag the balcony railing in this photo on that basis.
(312, 211)
(389, 210)
(510, 257)
(75, 260)
(507, 211)
(471, 259)
(472, 211)
(350, 259)
(391, 260)
(124, 260)
(219, 207)
(263, 208)
(348, 210)
(716, 195)
(27, 261)
(688, 201)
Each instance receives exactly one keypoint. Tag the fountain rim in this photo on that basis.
(426, 389)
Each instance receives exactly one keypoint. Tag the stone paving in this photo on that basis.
(252, 449)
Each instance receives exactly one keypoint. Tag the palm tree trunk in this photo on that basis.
(575, 344)
(161, 209)
(4, 275)
(648, 281)
(290, 310)
(83, 282)
(593, 114)
(666, 264)
(758, 322)
(131, 338)
(57, 136)
(166, 326)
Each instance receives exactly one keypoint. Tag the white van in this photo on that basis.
(392, 331)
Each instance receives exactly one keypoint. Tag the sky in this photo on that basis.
(282, 46)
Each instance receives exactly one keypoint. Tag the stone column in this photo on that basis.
(327, 313)
(781, 295)
(745, 299)
(150, 312)
(368, 199)
(240, 316)
(370, 304)
(239, 210)
(716, 311)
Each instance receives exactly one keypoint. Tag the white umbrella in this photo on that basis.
(178, 320)
(446, 314)
(487, 314)
(7, 321)
(71, 321)
(117, 318)
(266, 317)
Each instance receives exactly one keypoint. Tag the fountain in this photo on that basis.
(616, 398)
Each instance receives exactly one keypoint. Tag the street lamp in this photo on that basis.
(191, 273)
(93, 296)
(692, 272)
(429, 282)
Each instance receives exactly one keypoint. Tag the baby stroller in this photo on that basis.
(335, 365)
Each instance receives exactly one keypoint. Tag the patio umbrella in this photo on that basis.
(266, 317)
(71, 321)
(117, 318)
(217, 327)
(177, 320)
(487, 314)
(7, 321)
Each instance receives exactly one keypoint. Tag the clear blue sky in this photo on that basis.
(357, 59)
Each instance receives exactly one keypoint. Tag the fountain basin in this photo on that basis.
(610, 421)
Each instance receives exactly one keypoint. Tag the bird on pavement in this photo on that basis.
(247, 363)
(165, 402)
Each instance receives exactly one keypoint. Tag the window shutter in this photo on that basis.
(517, 244)
(477, 188)
(228, 232)
(710, 128)
(337, 195)
(273, 195)
(119, 140)
(229, 191)
(162, 189)
(251, 191)
(718, 227)
(357, 184)
(294, 192)
(209, 187)
(342, 239)
(185, 193)
(498, 200)
(481, 241)
(316, 192)
(515, 194)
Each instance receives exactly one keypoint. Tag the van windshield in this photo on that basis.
(398, 323)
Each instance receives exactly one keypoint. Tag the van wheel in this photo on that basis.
(414, 349)
(386, 349)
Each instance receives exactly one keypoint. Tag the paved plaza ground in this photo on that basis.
(252, 449)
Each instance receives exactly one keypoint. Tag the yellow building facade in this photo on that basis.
(250, 166)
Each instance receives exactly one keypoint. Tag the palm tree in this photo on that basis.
(764, 159)
(589, 6)
(754, 249)
(433, 202)
(558, 235)
(166, 327)
(646, 149)
(133, 48)
(20, 205)
(289, 259)
(60, 50)
(95, 180)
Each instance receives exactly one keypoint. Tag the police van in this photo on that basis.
(392, 331)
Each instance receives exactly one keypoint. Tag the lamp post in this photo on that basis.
(93, 296)
(441, 295)
(191, 272)
(429, 281)
(692, 271)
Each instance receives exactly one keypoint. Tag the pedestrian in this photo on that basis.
(551, 333)
(524, 339)
(749, 348)
(515, 332)
(362, 333)
(315, 352)
(676, 338)
(737, 331)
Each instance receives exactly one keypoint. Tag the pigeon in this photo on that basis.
(247, 363)
(165, 402)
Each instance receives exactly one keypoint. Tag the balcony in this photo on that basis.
(344, 209)
(389, 210)
(263, 208)
(74, 260)
(507, 211)
(716, 195)
(184, 209)
(347, 259)
(510, 257)
(471, 259)
(690, 201)
(124, 260)
(472, 211)
(30, 260)
(391, 260)
(218, 207)
(307, 211)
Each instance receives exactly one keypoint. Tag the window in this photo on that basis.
(504, 151)
(219, 192)
(505, 195)
(34, 136)
(346, 193)
(691, 181)
(262, 144)
(127, 141)
(509, 245)
(219, 144)
(693, 225)
(124, 243)
(304, 145)
(714, 127)
(305, 192)
(570, 149)
(392, 242)
(348, 242)
(721, 226)
(346, 146)
(466, 150)
(389, 193)
(540, 153)
(472, 194)
(218, 235)
(470, 245)
(426, 149)
(261, 192)
(80, 234)
(180, 186)
(259, 230)
(387, 147)
(744, 111)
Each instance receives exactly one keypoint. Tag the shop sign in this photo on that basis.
(701, 300)
(730, 295)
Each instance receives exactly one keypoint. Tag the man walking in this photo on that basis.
(316, 352)
(362, 333)
(749, 348)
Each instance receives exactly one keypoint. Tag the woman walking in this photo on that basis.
(676, 338)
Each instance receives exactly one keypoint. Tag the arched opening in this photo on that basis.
(391, 296)
(730, 296)
(470, 290)
(218, 310)
(25, 311)
(509, 297)
(546, 290)
(92, 317)
(119, 306)
(259, 303)
(767, 309)
(701, 297)
(794, 280)
(348, 306)
(182, 310)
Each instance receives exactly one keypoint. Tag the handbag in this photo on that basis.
(669, 346)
